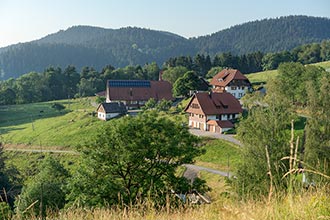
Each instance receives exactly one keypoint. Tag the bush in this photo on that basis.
(58, 106)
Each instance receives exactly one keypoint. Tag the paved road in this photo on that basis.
(226, 137)
(192, 171)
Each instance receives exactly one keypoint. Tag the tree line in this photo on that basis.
(55, 83)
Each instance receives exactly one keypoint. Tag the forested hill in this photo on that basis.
(268, 35)
(97, 47)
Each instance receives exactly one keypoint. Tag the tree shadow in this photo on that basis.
(17, 115)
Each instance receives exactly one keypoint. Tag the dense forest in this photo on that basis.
(97, 47)
(268, 35)
(60, 83)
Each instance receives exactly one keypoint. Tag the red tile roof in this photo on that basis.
(138, 90)
(221, 124)
(215, 104)
(224, 77)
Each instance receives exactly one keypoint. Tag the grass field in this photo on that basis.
(39, 124)
(261, 77)
(264, 76)
(220, 155)
(325, 65)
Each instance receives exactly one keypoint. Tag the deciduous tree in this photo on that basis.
(132, 160)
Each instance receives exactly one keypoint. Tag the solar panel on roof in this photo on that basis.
(129, 83)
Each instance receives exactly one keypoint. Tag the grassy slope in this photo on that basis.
(264, 76)
(25, 124)
(218, 154)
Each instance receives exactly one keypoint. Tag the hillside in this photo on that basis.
(268, 35)
(264, 76)
(98, 47)
(92, 46)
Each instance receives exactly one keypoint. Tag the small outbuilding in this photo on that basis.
(106, 111)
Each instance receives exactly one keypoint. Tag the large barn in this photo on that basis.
(135, 93)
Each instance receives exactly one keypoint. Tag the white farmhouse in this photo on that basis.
(231, 81)
(106, 111)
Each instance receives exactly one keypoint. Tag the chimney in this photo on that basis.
(160, 75)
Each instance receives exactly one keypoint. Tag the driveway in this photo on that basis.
(227, 137)
(192, 171)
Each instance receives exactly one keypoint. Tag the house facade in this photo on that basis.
(231, 81)
(213, 111)
(106, 111)
(135, 93)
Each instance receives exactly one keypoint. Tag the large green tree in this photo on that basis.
(317, 147)
(263, 134)
(293, 79)
(132, 160)
(188, 82)
(173, 73)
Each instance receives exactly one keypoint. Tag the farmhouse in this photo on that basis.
(231, 81)
(106, 111)
(213, 112)
(135, 93)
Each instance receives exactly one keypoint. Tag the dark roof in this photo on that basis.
(113, 107)
(129, 83)
(221, 124)
(224, 77)
(139, 90)
(215, 103)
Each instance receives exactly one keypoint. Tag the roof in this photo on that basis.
(139, 90)
(226, 76)
(113, 107)
(129, 83)
(102, 93)
(215, 104)
(221, 124)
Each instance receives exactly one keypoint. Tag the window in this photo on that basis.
(233, 88)
(194, 105)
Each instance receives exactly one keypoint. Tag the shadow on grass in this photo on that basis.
(7, 130)
(22, 114)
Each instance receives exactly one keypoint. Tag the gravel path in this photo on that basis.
(227, 137)
(192, 171)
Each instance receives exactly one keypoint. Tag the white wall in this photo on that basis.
(238, 93)
(101, 115)
(108, 116)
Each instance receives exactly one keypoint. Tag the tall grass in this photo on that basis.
(309, 205)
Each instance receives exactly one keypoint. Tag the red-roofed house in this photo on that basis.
(135, 93)
(213, 111)
(231, 81)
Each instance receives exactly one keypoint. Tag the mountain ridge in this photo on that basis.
(83, 45)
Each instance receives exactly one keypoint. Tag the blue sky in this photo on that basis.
(26, 20)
